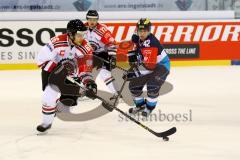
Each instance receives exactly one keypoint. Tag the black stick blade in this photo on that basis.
(166, 133)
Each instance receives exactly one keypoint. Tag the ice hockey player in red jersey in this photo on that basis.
(151, 67)
(104, 46)
(59, 51)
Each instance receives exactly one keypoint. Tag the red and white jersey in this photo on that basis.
(99, 37)
(60, 48)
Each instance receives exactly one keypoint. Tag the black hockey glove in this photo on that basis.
(132, 74)
(111, 49)
(113, 62)
(112, 53)
(134, 58)
(91, 86)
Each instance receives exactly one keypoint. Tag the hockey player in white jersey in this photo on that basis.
(104, 46)
(61, 49)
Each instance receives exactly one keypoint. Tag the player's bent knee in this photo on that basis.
(49, 96)
(136, 93)
(153, 94)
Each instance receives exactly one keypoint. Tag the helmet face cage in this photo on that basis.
(92, 14)
(144, 23)
(75, 26)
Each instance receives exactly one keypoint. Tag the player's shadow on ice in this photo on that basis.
(99, 110)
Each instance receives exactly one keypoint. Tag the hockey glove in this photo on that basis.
(91, 86)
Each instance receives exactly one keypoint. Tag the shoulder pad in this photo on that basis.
(60, 41)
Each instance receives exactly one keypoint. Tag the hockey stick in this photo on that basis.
(104, 60)
(163, 135)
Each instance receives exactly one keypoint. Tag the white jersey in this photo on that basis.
(59, 48)
(99, 37)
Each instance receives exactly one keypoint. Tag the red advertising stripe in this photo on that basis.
(216, 40)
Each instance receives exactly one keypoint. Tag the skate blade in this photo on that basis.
(41, 133)
(136, 112)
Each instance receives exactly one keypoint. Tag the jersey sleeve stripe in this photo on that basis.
(98, 32)
(60, 45)
(59, 42)
(49, 67)
(83, 49)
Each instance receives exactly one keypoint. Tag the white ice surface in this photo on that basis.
(212, 93)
